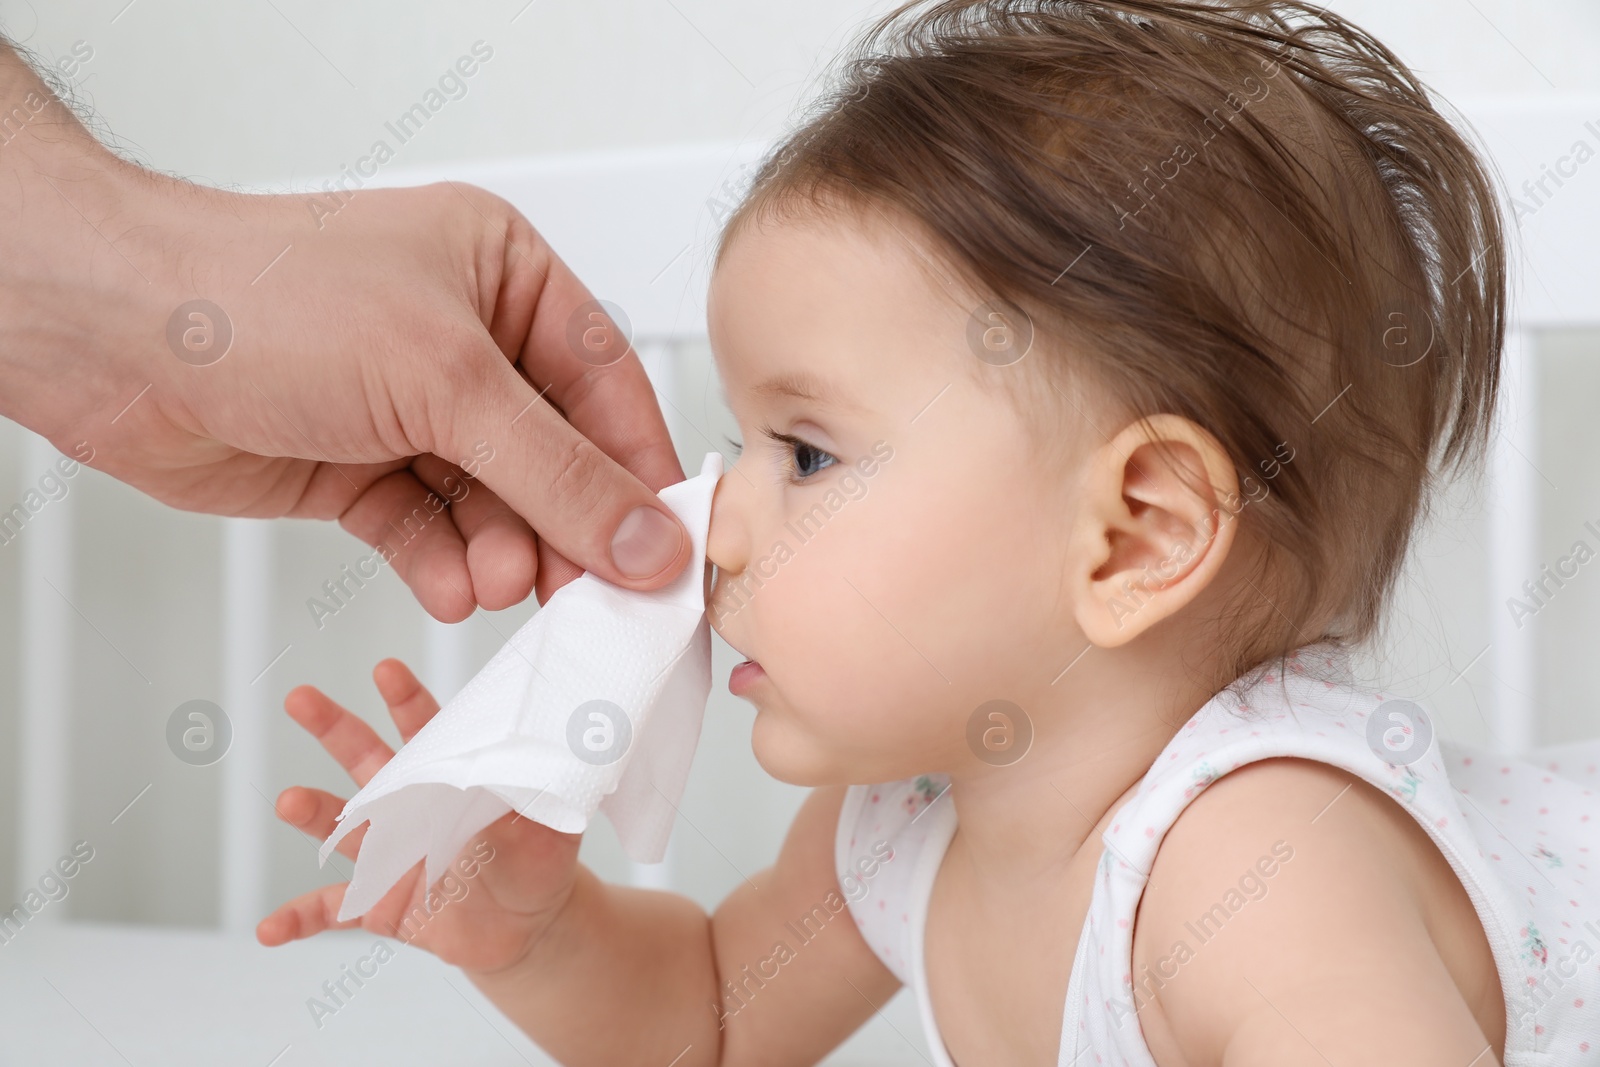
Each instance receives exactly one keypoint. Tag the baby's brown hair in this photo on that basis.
(1248, 214)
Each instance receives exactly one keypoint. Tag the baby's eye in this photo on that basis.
(801, 459)
(805, 460)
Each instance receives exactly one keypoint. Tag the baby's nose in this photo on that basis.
(726, 539)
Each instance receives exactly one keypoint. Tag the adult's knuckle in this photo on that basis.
(578, 473)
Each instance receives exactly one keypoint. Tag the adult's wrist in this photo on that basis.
(76, 261)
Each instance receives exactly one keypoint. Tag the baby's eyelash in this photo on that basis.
(791, 472)
(766, 431)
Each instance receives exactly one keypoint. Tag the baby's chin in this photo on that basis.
(787, 754)
(790, 753)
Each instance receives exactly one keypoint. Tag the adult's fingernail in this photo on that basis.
(645, 542)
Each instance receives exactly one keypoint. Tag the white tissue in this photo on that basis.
(503, 743)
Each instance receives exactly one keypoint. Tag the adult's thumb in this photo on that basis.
(584, 495)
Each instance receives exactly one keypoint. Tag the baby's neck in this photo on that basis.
(1094, 740)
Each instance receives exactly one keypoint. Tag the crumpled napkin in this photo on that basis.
(595, 703)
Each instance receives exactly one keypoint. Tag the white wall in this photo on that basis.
(261, 93)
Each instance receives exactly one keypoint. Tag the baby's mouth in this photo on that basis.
(744, 676)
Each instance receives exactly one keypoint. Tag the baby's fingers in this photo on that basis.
(356, 746)
(410, 703)
(305, 916)
(314, 813)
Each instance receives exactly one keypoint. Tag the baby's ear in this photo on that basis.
(1153, 526)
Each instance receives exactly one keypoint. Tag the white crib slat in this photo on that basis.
(445, 662)
(44, 793)
(1514, 498)
(247, 791)
(659, 357)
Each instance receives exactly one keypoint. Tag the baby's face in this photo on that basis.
(891, 555)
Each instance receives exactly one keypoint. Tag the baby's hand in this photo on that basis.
(521, 872)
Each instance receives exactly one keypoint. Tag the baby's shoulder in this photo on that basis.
(1305, 830)
(1289, 882)
(1296, 799)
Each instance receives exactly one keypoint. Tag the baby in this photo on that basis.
(1096, 362)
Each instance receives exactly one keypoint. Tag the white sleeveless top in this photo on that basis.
(1520, 834)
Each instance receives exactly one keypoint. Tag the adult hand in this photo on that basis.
(416, 363)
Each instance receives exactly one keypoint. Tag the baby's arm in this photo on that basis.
(1362, 948)
(635, 976)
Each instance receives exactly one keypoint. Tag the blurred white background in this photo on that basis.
(277, 95)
